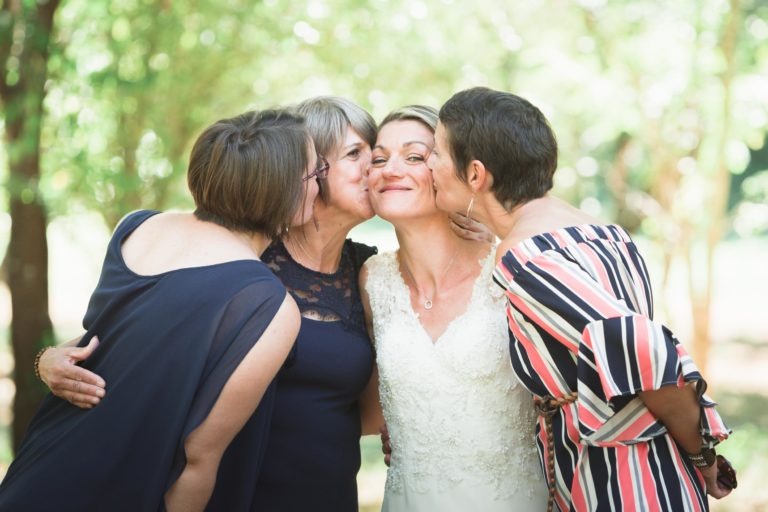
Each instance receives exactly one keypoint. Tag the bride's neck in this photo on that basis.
(428, 247)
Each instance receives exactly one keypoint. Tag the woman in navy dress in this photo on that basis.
(193, 326)
(313, 452)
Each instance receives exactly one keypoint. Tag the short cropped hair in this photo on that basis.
(327, 119)
(245, 173)
(509, 135)
(421, 113)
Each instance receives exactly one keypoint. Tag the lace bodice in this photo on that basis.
(325, 297)
(454, 409)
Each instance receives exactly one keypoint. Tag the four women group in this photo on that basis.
(178, 407)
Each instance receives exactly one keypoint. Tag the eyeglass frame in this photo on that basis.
(321, 171)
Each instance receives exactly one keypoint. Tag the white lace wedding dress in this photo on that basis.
(461, 426)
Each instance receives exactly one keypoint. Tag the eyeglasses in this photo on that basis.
(321, 171)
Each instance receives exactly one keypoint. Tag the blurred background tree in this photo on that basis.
(25, 34)
(661, 109)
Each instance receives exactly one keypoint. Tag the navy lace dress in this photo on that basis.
(169, 343)
(313, 454)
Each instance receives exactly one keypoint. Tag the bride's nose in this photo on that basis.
(393, 168)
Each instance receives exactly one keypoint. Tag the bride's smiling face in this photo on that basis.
(400, 183)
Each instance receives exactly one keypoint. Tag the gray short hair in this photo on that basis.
(327, 119)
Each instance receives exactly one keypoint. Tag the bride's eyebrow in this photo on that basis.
(411, 142)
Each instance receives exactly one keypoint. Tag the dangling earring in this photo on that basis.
(471, 204)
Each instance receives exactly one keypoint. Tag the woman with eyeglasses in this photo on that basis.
(313, 454)
(312, 451)
(194, 327)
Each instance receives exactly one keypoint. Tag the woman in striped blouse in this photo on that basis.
(623, 420)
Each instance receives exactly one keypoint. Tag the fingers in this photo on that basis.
(77, 385)
(78, 393)
(470, 229)
(718, 492)
(88, 377)
(714, 488)
(63, 373)
(83, 353)
(462, 232)
(84, 389)
(461, 220)
(386, 447)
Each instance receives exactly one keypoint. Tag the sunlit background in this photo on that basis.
(661, 112)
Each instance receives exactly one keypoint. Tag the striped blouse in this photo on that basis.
(580, 312)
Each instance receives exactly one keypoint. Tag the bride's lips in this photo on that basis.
(394, 188)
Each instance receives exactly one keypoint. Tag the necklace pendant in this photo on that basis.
(427, 304)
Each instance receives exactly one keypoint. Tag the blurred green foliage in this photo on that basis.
(661, 108)
(633, 89)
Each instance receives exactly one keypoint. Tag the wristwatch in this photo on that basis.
(705, 458)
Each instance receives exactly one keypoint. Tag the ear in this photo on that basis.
(479, 178)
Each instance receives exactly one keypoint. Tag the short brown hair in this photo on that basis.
(245, 173)
(509, 135)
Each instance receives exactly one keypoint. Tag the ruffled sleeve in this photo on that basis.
(590, 304)
(622, 356)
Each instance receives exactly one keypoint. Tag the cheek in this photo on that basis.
(373, 178)
(312, 191)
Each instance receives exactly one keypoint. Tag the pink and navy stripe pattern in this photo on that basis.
(580, 311)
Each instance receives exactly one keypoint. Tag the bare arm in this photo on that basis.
(240, 396)
(371, 417)
(679, 409)
(59, 371)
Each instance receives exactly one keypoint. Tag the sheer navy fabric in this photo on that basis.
(169, 343)
(313, 454)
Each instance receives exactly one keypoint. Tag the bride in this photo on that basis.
(459, 422)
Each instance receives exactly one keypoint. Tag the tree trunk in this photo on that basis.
(31, 328)
(26, 31)
(701, 300)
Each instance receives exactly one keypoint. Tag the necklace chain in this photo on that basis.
(428, 300)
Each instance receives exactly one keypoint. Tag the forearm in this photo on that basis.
(193, 489)
(371, 419)
(679, 410)
(371, 416)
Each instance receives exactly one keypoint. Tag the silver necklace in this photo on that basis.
(428, 300)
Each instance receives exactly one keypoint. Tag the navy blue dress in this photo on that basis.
(169, 343)
(313, 454)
